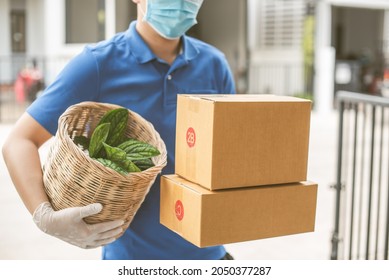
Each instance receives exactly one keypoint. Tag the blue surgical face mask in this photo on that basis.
(171, 18)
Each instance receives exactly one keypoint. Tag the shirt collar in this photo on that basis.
(138, 47)
(190, 51)
(142, 52)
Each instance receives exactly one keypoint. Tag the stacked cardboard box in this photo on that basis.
(241, 165)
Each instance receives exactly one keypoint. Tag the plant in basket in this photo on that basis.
(110, 146)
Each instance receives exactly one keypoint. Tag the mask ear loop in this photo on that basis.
(143, 12)
(196, 2)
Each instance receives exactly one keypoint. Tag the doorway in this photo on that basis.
(357, 36)
(18, 31)
(226, 29)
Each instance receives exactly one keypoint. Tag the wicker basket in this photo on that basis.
(71, 178)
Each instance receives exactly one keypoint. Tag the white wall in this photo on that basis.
(110, 18)
(5, 40)
(35, 28)
(324, 60)
(57, 52)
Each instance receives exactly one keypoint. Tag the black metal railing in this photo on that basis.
(361, 228)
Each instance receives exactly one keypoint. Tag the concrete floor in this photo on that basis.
(21, 239)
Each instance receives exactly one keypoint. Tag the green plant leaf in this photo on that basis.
(144, 164)
(137, 150)
(82, 141)
(114, 153)
(112, 165)
(118, 119)
(122, 139)
(130, 166)
(99, 136)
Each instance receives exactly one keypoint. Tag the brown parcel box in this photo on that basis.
(230, 141)
(207, 218)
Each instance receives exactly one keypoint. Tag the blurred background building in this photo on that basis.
(308, 48)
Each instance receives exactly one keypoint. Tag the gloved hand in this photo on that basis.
(68, 225)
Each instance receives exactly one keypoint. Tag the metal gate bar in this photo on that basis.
(361, 227)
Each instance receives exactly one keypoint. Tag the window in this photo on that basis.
(280, 23)
(85, 21)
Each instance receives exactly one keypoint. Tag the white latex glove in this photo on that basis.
(68, 225)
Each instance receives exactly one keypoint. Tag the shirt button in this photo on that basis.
(169, 77)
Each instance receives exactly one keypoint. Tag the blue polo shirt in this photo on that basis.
(124, 71)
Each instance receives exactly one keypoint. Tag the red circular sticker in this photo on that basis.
(179, 209)
(190, 137)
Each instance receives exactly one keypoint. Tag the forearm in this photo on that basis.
(23, 162)
(21, 155)
(22, 159)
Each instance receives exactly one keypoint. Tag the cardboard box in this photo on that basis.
(207, 218)
(231, 141)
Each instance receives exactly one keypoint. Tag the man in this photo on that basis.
(142, 69)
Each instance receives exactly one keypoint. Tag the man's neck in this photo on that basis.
(163, 48)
